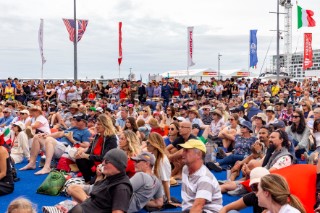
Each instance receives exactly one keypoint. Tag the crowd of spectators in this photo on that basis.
(169, 131)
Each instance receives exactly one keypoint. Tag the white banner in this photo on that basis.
(190, 46)
(40, 39)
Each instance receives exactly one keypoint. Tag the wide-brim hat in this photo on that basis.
(73, 106)
(246, 124)
(195, 112)
(260, 115)
(218, 112)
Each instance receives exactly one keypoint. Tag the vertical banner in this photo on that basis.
(307, 60)
(190, 46)
(82, 26)
(120, 43)
(253, 48)
(40, 39)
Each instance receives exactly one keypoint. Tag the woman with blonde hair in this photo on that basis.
(129, 142)
(146, 114)
(274, 195)
(21, 204)
(104, 140)
(162, 167)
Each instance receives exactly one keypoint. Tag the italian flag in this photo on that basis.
(305, 18)
(5, 137)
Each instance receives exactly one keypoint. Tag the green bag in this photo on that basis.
(53, 183)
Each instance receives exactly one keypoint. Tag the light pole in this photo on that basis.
(278, 41)
(75, 41)
(219, 77)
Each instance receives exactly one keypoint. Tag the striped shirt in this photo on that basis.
(201, 184)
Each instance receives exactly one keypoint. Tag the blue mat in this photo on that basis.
(29, 183)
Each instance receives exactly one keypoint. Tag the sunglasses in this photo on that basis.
(303, 105)
(296, 116)
(231, 119)
(254, 187)
(21, 113)
(172, 129)
(106, 162)
(145, 110)
(138, 161)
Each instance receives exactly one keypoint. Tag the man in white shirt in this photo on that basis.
(200, 189)
(71, 92)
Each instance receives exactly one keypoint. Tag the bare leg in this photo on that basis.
(35, 148)
(77, 193)
(228, 186)
(50, 144)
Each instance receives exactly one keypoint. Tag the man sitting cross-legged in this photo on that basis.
(78, 134)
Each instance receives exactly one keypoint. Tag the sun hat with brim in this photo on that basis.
(195, 112)
(25, 112)
(73, 106)
(194, 144)
(20, 125)
(218, 112)
(145, 156)
(270, 108)
(246, 124)
(260, 115)
(35, 108)
(257, 173)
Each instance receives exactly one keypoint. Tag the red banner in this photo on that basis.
(120, 43)
(307, 60)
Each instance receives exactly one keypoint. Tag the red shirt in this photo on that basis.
(130, 170)
(97, 150)
(158, 130)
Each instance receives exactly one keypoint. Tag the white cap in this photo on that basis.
(20, 124)
(99, 109)
(257, 173)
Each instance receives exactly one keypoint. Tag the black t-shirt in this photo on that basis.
(180, 140)
(252, 200)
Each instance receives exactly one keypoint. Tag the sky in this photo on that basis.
(154, 36)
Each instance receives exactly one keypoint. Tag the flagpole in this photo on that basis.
(75, 41)
(119, 73)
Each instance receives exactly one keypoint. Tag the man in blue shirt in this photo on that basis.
(78, 135)
(7, 118)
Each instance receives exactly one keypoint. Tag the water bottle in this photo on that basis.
(214, 153)
(209, 147)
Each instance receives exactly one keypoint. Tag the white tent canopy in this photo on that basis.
(205, 73)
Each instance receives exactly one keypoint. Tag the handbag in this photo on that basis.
(53, 183)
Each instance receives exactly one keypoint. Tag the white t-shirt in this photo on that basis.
(61, 94)
(287, 209)
(164, 169)
(242, 89)
(44, 124)
(71, 95)
(219, 88)
(79, 91)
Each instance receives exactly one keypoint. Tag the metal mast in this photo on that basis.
(287, 36)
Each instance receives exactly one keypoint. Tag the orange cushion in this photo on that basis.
(53, 130)
(302, 182)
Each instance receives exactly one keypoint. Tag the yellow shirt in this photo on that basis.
(275, 90)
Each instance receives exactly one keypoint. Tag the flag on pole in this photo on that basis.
(307, 60)
(190, 46)
(253, 48)
(305, 18)
(70, 25)
(82, 26)
(40, 39)
(120, 43)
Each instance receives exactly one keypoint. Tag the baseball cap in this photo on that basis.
(260, 115)
(20, 125)
(180, 119)
(145, 156)
(196, 126)
(99, 109)
(194, 144)
(279, 124)
(183, 107)
(257, 173)
(93, 109)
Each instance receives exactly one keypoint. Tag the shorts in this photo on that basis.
(59, 149)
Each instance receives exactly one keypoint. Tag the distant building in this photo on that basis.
(296, 70)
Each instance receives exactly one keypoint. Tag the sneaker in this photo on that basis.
(213, 166)
(221, 153)
(29, 133)
(240, 190)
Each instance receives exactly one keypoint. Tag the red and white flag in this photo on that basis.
(190, 46)
(307, 60)
(120, 43)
